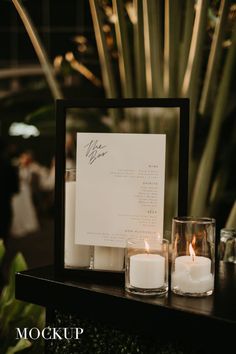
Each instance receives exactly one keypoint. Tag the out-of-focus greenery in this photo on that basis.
(166, 48)
(14, 313)
(163, 48)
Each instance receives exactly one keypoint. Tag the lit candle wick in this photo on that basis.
(147, 248)
(191, 251)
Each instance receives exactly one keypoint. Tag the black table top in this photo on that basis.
(111, 302)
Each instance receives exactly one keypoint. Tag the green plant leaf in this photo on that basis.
(11, 311)
(45, 113)
(203, 179)
(124, 56)
(214, 60)
(2, 250)
(139, 54)
(104, 57)
(8, 294)
(153, 44)
(39, 49)
(18, 265)
(9, 307)
(14, 313)
(43, 119)
(190, 87)
(186, 40)
(22, 344)
(171, 47)
(231, 221)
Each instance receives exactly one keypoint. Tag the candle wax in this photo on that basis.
(75, 255)
(147, 271)
(192, 275)
(108, 258)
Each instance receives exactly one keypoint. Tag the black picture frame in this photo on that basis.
(61, 109)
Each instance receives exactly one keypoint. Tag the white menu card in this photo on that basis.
(119, 187)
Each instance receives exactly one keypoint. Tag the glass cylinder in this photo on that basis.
(146, 267)
(75, 256)
(193, 256)
(227, 247)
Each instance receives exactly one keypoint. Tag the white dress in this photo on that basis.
(25, 219)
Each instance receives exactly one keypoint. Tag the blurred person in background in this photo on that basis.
(47, 177)
(43, 190)
(9, 186)
(25, 218)
(34, 178)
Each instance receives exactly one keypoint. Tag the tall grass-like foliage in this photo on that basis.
(168, 48)
(39, 49)
(176, 49)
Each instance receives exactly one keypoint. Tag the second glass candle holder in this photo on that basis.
(193, 256)
(146, 267)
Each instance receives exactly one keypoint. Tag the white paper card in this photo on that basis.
(119, 187)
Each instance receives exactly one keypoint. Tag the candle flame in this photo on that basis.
(147, 248)
(191, 251)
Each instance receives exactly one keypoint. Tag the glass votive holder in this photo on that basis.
(146, 267)
(193, 256)
(227, 247)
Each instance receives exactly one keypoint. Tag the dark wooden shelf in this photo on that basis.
(112, 304)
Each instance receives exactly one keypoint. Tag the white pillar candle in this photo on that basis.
(147, 271)
(192, 274)
(108, 258)
(75, 255)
